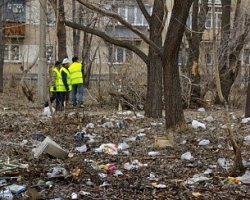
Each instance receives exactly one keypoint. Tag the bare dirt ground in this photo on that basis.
(87, 174)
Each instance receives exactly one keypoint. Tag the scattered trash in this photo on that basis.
(83, 193)
(156, 124)
(11, 170)
(57, 172)
(50, 147)
(186, 156)
(79, 136)
(38, 136)
(76, 172)
(82, 148)
(46, 184)
(108, 125)
(140, 136)
(154, 153)
(118, 173)
(109, 168)
(234, 180)
(245, 120)
(16, 189)
(46, 111)
(196, 194)
(163, 142)
(201, 110)
(156, 185)
(225, 163)
(208, 171)
(152, 177)
(90, 125)
(125, 113)
(134, 165)
(6, 109)
(120, 124)
(104, 184)
(89, 183)
(245, 179)
(138, 115)
(74, 196)
(196, 178)
(196, 124)
(209, 119)
(204, 142)
(6, 194)
(112, 148)
(3, 182)
(247, 139)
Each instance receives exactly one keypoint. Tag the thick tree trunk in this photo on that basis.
(153, 107)
(76, 33)
(194, 38)
(172, 88)
(247, 108)
(2, 44)
(61, 33)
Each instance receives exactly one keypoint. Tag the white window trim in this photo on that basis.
(136, 10)
(247, 57)
(9, 53)
(217, 20)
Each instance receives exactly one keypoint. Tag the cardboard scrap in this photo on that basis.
(163, 142)
(50, 147)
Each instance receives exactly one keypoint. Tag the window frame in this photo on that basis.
(209, 18)
(8, 47)
(247, 57)
(137, 14)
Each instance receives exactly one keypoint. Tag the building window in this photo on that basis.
(133, 15)
(49, 53)
(50, 15)
(247, 56)
(183, 57)
(217, 18)
(12, 53)
(209, 59)
(121, 55)
(15, 11)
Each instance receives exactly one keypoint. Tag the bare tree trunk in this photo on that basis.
(76, 33)
(247, 108)
(153, 107)
(229, 59)
(172, 88)
(61, 33)
(194, 38)
(2, 42)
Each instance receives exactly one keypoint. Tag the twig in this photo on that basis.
(91, 95)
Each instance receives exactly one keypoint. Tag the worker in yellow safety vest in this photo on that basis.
(64, 85)
(77, 80)
(54, 85)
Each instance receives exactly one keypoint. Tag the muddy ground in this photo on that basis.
(163, 175)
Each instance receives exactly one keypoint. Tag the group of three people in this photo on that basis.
(67, 78)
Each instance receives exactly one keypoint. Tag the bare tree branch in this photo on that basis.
(123, 22)
(109, 39)
(144, 11)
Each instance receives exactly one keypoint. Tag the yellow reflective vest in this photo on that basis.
(76, 74)
(61, 86)
(55, 79)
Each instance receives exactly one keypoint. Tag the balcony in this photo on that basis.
(15, 29)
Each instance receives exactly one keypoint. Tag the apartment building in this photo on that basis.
(22, 36)
(22, 33)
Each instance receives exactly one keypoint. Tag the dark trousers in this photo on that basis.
(54, 96)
